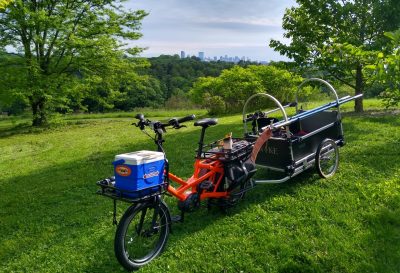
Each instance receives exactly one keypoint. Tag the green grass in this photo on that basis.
(51, 220)
(22, 124)
(148, 112)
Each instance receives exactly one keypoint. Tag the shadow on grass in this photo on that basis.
(22, 128)
(44, 209)
(25, 128)
(385, 236)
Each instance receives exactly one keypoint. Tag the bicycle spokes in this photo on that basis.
(143, 233)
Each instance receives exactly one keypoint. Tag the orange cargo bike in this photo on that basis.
(221, 175)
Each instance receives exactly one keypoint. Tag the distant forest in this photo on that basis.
(163, 82)
(176, 76)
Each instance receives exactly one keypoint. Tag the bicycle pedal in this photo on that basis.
(176, 218)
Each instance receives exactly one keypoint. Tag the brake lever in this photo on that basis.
(179, 126)
(140, 124)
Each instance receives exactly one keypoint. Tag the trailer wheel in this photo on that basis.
(327, 158)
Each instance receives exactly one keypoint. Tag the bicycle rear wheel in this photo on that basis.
(141, 234)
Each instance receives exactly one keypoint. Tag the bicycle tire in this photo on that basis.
(234, 196)
(129, 237)
(327, 158)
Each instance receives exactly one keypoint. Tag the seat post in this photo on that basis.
(201, 141)
(204, 123)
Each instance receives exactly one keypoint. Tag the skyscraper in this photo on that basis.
(201, 56)
(183, 54)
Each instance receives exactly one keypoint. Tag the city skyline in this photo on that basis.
(226, 58)
(216, 27)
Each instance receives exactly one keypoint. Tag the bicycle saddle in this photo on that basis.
(205, 122)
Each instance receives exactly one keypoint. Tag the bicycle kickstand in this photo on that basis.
(178, 218)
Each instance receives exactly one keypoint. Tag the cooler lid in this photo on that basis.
(140, 157)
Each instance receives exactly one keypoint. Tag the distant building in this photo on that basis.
(225, 58)
(201, 56)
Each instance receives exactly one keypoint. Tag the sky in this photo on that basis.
(215, 27)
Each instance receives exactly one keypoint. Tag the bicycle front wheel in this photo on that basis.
(141, 234)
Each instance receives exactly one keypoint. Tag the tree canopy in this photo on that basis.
(388, 69)
(314, 27)
(176, 74)
(4, 3)
(229, 91)
(67, 48)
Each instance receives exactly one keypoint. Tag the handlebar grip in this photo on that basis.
(188, 118)
(142, 122)
(139, 117)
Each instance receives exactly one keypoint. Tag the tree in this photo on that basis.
(388, 69)
(9, 71)
(315, 26)
(4, 3)
(68, 47)
(176, 74)
(229, 91)
(143, 91)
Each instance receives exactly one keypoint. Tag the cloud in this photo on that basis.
(211, 25)
(237, 27)
(270, 22)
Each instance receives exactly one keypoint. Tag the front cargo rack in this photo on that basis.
(108, 189)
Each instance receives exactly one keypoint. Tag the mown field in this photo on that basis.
(51, 220)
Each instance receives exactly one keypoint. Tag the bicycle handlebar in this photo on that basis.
(254, 116)
(187, 118)
(157, 125)
(261, 114)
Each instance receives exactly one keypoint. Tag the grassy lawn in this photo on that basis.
(52, 221)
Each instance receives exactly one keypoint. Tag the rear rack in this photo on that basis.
(241, 149)
(109, 190)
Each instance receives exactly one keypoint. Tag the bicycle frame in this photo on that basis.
(215, 172)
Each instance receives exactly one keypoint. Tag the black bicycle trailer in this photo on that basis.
(308, 138)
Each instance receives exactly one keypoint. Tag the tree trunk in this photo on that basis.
(37, 99)
(38, 111)
(358, 106)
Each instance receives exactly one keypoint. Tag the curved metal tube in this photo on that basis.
(317, 80)
(268, 96)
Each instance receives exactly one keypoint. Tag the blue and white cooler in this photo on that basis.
(139, 171)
